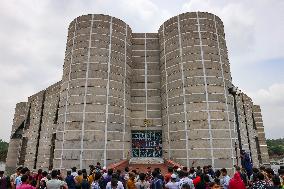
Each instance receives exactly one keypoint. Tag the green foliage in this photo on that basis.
(3, 150)
(275, 147)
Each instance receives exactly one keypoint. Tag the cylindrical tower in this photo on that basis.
(198, 119)
(94, 98)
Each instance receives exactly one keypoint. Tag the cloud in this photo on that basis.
(251, 27)
(272, 104)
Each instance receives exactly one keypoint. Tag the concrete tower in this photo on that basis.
(94, 107)
(198, 119)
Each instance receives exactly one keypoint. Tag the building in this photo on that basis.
(126, 95)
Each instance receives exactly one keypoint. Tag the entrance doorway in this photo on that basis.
(146, 143)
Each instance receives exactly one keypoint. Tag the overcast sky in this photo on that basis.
(33, 36)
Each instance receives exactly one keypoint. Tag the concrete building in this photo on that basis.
(126, 95)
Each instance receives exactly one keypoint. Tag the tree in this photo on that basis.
(3, 150)
(275, 147)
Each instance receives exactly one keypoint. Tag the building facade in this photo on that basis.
(126, 95)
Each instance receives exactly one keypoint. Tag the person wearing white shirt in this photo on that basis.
(172, 184)
(74, 173)
(225, 180)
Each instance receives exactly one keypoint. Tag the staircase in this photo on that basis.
(148, 160)
(144, 164)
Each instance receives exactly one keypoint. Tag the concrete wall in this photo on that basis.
(94, 110)
(249, 126)
(145, 82)
(16, 133)
(48, 126)
(262, 146)
(195, 77)
(32, 129)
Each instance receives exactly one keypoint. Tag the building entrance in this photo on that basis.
(146, 143)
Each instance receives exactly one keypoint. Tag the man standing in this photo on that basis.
(156, 182)
(14, 176)
(172, 184)
(3, 181)
(225, 180)
(54, 183)
(169, 174)
(25, 183)
(74, 173)
(184, 179)
(246, 162)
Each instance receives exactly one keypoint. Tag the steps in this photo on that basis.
(143, 165)
(146, 160)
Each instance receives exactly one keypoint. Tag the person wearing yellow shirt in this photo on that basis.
(131, 181)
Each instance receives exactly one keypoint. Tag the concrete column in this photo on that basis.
(91, 112)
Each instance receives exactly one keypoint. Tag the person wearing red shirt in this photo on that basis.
(169, 174)
(236, 182)
(25, 183)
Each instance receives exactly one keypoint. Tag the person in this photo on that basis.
(214, 185)
(79, 179)
(184, 179)
(91, 177)
(25, 183)
(119, 183)
(192, 173)
(269, 176)
(39, 176)
(14, 176)
(198, 171)
(119, 176)
(92, 169)
(42, 182)
(95, 184)
(197, 179)
(236, 182)
(159, 176)
(210, 171)
(70, 180)
(225, 180)
(260, 183)
(114, 183)
(130, 184)
(217, 174)
(186, 186)
(169, 174)
(276, 183)
(184, 169)
(74, 173)
(246, 162)
(3, 181)
(156, 183)
(281, 176)
(107, 177)
(254, 172)
(18, 180)
(85, 183)
(54, 183)
(243, 174)
(172, 184)
(206, 172)
(98, 167)
(142, 183)
(200, 181)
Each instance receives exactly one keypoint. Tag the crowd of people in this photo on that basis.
(176, 178)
